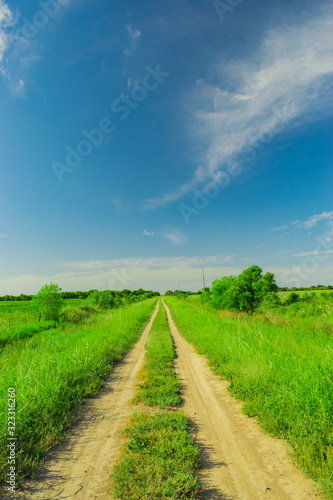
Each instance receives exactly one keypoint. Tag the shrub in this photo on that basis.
(49, 301)
(244, 292)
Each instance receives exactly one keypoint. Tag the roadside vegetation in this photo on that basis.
(280, 363)
(159, 456)
(23, 316)
(54, 371)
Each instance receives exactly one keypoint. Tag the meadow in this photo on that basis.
(280, 364)
(54, 370)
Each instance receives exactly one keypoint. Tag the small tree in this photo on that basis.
(49, 301)
(244, 292)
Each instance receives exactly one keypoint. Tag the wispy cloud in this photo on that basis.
(134, 37)
(285, 81)
(281, 228)
(6, 20)
(176, 237)
(19, 44)
(147, 233)
(149, 263)
(312, 221)
(297, 225)
(313, 253)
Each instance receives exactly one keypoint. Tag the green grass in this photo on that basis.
(53, 372)
(10, 335)
(20, 319)
(160, 385)
(159, 459)
(160, 454)
(283, 373)
(284, 295)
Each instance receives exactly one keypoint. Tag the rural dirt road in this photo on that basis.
(80, 468)
(239, 461)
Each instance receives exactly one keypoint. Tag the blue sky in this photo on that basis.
(143, 141)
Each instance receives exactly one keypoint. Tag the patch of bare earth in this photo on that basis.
(239, 460)
(80, 467)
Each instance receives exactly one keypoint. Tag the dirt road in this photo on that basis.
(239, 461)
(80, 468)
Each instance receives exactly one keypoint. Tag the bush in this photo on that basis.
(244, 292)
(49, 302)
(76, 314)
(292, 298)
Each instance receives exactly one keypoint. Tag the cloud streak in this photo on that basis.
(6, 20)
(313, 253)
(285, 81)
(148, 263)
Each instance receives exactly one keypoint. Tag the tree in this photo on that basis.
(244, 292)
(49, 301)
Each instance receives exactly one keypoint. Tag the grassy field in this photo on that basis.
(20, 319)
(53, 372)
(160, 455)
(284, 295)
(283, 372)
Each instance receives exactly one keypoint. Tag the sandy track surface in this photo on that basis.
(80, 468)
(239, 461)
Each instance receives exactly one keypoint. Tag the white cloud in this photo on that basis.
(312, 221)
(281, 228)
(176, 237)
(134, 36)
(149, 263)
(284, 84)
(166, 275)
(147, 233)
(16, 87)
(313, 253)
(6, 20)
(158, 273)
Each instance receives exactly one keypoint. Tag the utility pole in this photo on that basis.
(203, 280)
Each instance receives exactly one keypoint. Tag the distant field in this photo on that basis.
(283, 295)
(21, 309)
(20, 320)
(27, 305)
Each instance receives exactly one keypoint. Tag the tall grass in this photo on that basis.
(53, 371)
(283, 373)
(159, 385)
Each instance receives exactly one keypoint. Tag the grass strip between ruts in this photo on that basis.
(160, 454)
(159, 384)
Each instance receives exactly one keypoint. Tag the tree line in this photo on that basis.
(81, 295)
